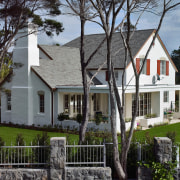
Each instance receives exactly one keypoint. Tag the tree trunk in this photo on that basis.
(84, 123)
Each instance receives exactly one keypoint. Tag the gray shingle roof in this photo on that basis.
(63, 70)
(92, 41)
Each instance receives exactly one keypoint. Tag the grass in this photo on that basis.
(159, 131)
(9, 133)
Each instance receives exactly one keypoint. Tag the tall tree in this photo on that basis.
(83, 9)
(108, 16)
(14, 14)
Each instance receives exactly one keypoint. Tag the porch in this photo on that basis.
(71, 104)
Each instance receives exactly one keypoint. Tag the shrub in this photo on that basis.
(19, 140)
(62, 116)
(98, 118)
(41, 155)
(79, 118)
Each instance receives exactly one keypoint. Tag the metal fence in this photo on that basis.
(86, 155)
(24, 156)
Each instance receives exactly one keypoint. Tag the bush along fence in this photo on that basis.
(160, 161)
(49, 162)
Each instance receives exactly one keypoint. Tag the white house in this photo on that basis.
(49, 81)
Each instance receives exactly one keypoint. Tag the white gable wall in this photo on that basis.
(157, 53)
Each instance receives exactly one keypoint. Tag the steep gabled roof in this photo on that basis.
(92, 41)
(64, 68)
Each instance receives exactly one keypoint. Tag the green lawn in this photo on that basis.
(9, 133)
(160, 131)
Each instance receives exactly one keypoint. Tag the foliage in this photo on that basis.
(150, 116)
(1, 142)
(41, 155)
(98, 118)
(175, 55)
(62, 116)
(128, 119)
(79, 118)
(162, 171)
(20, 140)
(14, 15)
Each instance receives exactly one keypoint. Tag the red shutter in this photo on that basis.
(107, 78)
(148, 67)
(138, 65)
(167, 68)
(158, 66)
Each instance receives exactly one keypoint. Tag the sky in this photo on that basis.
(169, 32)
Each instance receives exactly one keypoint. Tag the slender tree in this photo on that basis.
(108, 15)
(83, 9)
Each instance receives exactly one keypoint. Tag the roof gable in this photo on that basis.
(118, 52)
(62, 70)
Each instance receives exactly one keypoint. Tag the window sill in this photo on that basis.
(41, 114)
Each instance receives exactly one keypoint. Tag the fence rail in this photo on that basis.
(24, 156)
(86, 155)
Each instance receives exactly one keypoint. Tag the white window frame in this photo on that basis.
(144, 100)
(166, 96)
(144, 70)
(8, 96)
(163, 67)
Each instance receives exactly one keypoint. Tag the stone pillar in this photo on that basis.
(57, 158)
(163, 149)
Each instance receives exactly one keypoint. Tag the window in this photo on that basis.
(106, 76)
(146, 67)
(144, 104)
(9, 101)
(116, 75)
(41, 102)
(166, 96)
(79, 104)
(96, 102)
(144, 70)
(66, 103)
(163, 67)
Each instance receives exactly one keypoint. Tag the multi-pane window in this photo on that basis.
(166, 96)
(144, 104)
(96, 102)
(146, 67)
(9, 101)
(79, 104)
(66, 103)
(41, 103)
(163, 67)
(144, 70)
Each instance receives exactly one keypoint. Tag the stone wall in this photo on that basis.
(24, 174)
(163, 153)
(93, 173)
(57, 170)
